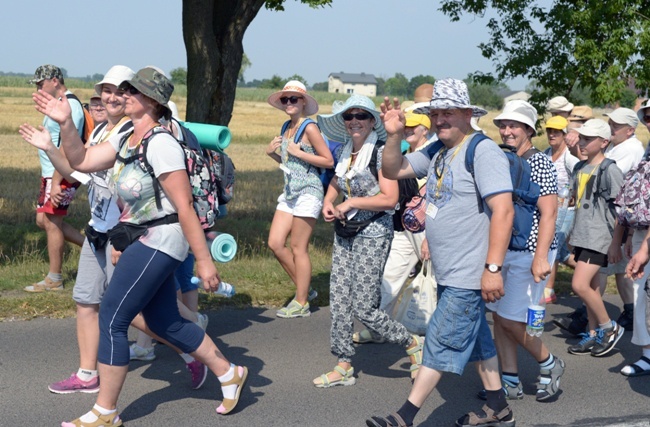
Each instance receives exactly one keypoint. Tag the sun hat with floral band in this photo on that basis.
(333, 125)
(294, 87)
(450, 94)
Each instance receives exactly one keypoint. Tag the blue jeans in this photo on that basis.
(458, 332)
(561, 233)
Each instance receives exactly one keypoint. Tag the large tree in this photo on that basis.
(600, 45)
(213, 31)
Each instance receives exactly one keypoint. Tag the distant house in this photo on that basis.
(361, 84)
(510, 95)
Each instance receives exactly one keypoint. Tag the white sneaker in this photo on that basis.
(203, 321)
(138, 353)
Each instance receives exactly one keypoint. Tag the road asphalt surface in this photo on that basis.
(283, 356)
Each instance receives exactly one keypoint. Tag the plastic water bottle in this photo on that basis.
(564, 193)
(535, 320)
(225, 289)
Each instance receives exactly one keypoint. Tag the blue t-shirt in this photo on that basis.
(457, 233)
(47, 169)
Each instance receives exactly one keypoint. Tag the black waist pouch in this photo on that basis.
(350, 228)
(123, 234)
(96, 239)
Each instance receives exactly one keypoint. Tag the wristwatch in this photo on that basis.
(493, 268)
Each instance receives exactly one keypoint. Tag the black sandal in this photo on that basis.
(637, 370)
(385, 422)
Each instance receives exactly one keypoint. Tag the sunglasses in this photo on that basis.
(359, 116)
(128, 88)
(290, 99)
(439, 165)
(646, 118)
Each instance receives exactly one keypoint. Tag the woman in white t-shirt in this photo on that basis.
(157, 226)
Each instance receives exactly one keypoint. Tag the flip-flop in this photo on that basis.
(637, 370)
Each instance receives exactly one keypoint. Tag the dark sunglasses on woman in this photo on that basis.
(292, 99)
(359, 116)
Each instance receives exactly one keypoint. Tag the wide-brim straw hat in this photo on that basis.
(333, 125)
(294, 87)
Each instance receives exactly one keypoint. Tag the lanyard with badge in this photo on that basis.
(432, 209)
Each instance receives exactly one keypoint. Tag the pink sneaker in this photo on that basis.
(549, 296)
(199, 373)
(75, 385)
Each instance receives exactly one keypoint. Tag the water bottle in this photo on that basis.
(536, 313)
(225, 289)
(564, 194)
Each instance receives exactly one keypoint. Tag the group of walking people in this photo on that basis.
(126, 276)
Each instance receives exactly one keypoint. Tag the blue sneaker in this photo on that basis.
(585, 345)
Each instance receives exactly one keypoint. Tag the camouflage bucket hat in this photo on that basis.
(46, 72)
(154, 84)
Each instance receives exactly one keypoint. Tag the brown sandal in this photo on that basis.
(228, 405)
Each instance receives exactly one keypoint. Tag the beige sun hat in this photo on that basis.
(294, 87)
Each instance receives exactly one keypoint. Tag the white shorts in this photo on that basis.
(306, 205)
(519, 286)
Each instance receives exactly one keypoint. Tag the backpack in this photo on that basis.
(408, 188)
(325, 174)
(89, 123)
(525, 192)
(634, 197)
(201, 170)
(222, 165)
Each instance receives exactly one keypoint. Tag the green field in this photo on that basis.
(256, 275)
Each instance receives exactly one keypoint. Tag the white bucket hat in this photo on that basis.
(116, 75)
(294, 87)
(518, 111)
(641, 112)
(333, 126)
(559, 103)
(449, 94)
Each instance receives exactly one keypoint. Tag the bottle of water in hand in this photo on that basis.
(225, 289)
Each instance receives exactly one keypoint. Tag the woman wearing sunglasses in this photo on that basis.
(143, 279)
(358, 259)
(300, 203)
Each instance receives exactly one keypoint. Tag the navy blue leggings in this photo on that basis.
(143, 281)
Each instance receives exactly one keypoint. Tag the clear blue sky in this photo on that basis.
(380, 37)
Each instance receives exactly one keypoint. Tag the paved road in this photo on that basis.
(283, 356)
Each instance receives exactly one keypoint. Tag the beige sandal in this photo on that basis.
(415, 354)
(347, 378)
(110, 420)
(366, 337)
(228, 405)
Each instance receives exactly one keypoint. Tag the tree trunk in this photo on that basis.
(213, 31)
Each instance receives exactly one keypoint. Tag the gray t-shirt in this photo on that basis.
(457, 233)
(595, 216)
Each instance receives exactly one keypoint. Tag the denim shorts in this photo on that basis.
(458, 332)
(562, 233)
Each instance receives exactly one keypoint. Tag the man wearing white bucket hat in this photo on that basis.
(467, 247)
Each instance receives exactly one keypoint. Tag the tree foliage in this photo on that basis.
(275, 82)
(179, 76)
(417, 81)
(245, 65)
(397, 85)
(486, 94)
(603, 45)
(213, 32)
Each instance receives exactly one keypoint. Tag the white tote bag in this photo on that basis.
(418, 301)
